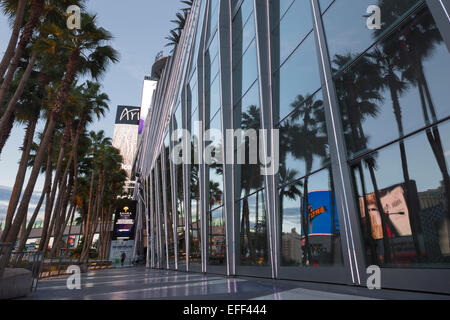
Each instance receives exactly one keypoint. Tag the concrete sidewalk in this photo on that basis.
(146, 284)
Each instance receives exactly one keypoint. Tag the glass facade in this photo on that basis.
(362, 117)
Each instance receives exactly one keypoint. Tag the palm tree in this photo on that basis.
(307, 142)
(180, 22)
(15, 13)
(89, 52)
(358, 90)
(53, 12)
(28, 112)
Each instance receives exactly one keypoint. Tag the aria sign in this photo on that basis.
(128, 115)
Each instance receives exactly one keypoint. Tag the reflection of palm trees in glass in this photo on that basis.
(251, 179)
(358, 91)
(389, 64)
(307, 142)
(419, 44)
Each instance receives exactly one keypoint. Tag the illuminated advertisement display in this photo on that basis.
(124, 221)
(322, 214)
(395, 208)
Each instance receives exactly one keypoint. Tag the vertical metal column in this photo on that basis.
(440, 9)
(185, 110)
(201, 99)
(351, 238)
(158, 215)
(174, 195)
(226, 98)
(202, 167)
(262, 22)
(164, 193)
(152, 222)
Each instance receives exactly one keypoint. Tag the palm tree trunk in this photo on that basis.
(6, 132)
(45, 193)
(9, 112)
(70, 229)
(60, 100)
(51, 200)
(24, 239)
(20, 177)
(20, 12)
(36, 11)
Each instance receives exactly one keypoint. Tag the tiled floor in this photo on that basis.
(143, 284)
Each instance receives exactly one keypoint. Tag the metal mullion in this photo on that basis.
(173, 191)
(147, 222)
(440, 9)
(152, 221)
(164, 188)
(158, 215)
(351, 238)
(186, 180)
(226, 99)
(263, 47)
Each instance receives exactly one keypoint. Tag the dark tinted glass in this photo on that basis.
(405, 190)
(303, 139)
(216, 233)
(310, 223)
(253, 231)
(346, 28)
(396, 88)
(298, 76)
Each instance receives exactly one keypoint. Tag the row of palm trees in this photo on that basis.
(41, 77)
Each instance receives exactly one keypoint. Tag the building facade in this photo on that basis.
(349, 102)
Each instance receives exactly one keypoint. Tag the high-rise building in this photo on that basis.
(126, 136)
(350, 96)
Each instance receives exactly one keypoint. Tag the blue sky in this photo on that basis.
(139, 28)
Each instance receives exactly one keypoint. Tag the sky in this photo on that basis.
(139, 28)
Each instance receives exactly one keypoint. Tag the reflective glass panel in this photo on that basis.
(217, 238)
(310, 223)
(405, 190)
(253, 231)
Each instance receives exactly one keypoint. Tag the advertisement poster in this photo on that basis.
(322, 214)
(124, 221)
(394, 204)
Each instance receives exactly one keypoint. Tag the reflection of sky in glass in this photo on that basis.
(383, 128)
(299, 75)
(346, 26)
(245, 73)
(243, 35)
(294, 26)
(284, 5)
(422, 164)
(252, 209)
(324, 4)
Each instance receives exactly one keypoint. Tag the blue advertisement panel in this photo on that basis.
(322, 214)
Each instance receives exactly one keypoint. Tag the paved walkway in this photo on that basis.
(144, 284)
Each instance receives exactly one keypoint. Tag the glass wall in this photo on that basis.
(213, 149)
(394, 107)
(195, 214)
(363, 151)
(179, 192)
